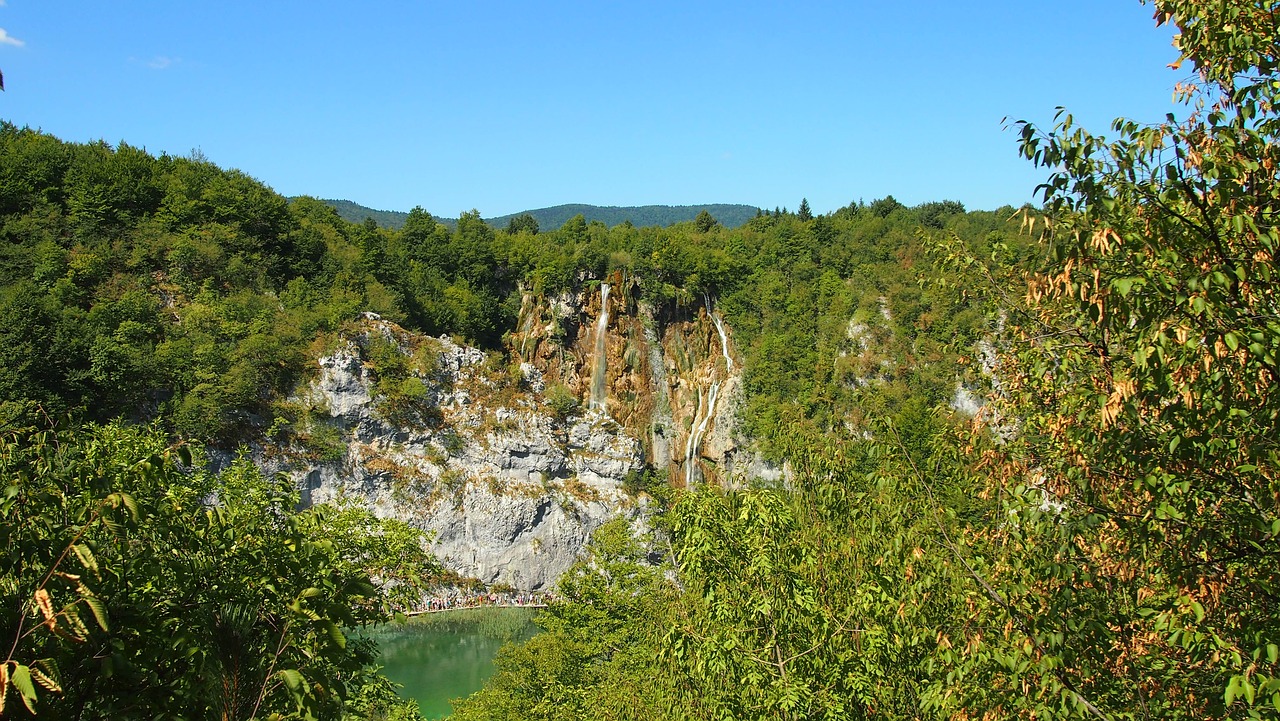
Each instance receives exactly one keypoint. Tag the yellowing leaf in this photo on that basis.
(45, 680)
(45, 604)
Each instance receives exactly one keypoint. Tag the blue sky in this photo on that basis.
(506, 106)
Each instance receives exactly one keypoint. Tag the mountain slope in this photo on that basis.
(356, 213)
(730, 215)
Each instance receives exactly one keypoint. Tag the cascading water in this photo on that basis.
(690, 447)
(598, 377)
(699, 430)
(702, 416)
(724, 339)
(724, 342)
(528, 318)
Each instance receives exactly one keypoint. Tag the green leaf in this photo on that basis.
(1233, 690)
(335, 634)
(99, 611)
(21, 680)
(292, 679)
(85, 557)
(48, 680)
(130, 504)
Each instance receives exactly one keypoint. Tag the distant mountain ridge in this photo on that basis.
(356, 213)
(730, 215)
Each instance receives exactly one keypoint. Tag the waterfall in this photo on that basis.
(724, 339)
(699, 429)
(527, 320)
(724, 342)
(598, 377)
(702, 417)
(689, 447)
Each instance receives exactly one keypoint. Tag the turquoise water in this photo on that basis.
(443, 656)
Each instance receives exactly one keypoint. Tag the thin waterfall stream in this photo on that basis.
(724, 340)
(701, 417)
(689, 446)
(699, 430)
(598, 373)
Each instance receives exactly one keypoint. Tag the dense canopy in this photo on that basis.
(1032, 454)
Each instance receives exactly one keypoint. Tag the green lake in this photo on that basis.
(441, 656)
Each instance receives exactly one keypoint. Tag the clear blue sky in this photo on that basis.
(506, 106)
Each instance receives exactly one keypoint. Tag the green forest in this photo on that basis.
(1098, 538)
(728, 215)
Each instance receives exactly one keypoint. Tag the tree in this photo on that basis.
(884, 206)
(127, 594)
(704, 222)
(595, 656)
(1141, 381)
(574, 229)
(803, 213)
(372, 243)
(523, 223)
(933, 215)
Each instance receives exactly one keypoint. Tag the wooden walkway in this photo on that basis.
(469, 608)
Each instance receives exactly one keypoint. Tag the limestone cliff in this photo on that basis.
(511, 461)
(667, 375)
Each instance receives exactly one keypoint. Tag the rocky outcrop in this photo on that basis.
(667, 375)
(509, 492)
(511, 462)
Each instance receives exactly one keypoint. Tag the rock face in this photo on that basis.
(668, 375)
(509, 490)
(512, 461)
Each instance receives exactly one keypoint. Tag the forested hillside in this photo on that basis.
(1099, 542)
(729, 215)
(1031, 462)
(167, 288)
(356, 213)
(167, 293)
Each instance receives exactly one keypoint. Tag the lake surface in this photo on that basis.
(443, 656)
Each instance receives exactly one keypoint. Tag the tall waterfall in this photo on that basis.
(700, 420)
(724, 342)
(702, 416)
(690, 446)
(598, 377)
(528, 317)
(724, 339)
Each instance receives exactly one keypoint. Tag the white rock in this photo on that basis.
(513, 505)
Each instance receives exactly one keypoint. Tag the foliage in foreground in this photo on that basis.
(593, 659)
(1143, 373)
(1105, 541)
(135, 586)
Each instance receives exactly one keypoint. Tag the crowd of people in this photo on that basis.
(458, 600)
